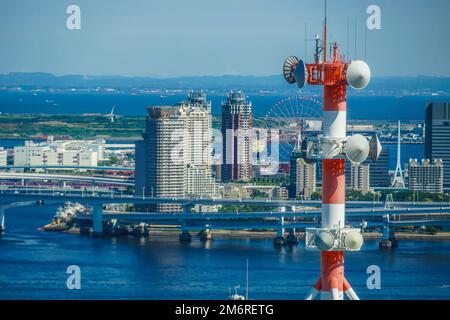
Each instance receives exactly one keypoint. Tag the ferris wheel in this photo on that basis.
(294, 117)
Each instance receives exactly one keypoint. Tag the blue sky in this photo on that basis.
(215, 37)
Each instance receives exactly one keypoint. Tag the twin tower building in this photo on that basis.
(179, 149)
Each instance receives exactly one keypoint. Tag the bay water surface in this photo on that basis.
(33, 265)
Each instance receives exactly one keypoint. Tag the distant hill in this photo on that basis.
(80, 81)
(226, 82)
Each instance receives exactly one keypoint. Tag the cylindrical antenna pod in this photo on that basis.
(358, 74)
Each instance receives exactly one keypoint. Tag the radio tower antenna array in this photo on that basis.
(332, 147)
(325, 35)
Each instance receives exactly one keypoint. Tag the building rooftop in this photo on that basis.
(162, 111)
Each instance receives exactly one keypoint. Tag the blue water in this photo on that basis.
(360, 107)
(33, 266)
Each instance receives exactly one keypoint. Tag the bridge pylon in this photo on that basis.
(280, 240)
(97, 220)
(185, 236)
(389, 240)
(206, 235)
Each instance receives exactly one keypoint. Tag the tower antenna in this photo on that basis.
(246, 280)
(355, 39)
(325, 36)
(306, 40)
(365, 43)
(333, 238)
(348, 39)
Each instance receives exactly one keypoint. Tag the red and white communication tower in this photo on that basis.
(333, 147)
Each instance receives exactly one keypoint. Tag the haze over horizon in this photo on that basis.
(215, 38)
(169, 77)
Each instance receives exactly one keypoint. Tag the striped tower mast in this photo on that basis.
(332, 283)
(334, 237)
(333, 179)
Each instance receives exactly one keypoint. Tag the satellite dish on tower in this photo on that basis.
(353, 240)
(358, 74)
(324, 240)
(301, 74)
(375, 148)
(289, 67)
(357, 148)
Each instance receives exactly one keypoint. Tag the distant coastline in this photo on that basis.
(374, 106)
(266, 84)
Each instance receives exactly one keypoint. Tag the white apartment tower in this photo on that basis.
(198, 147)
(198, 137)
(174, 159)
(427, 176)
(3, 157)
(160, 170)
(360, 177)
(305, 179)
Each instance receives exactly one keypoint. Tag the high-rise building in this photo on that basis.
(379, 170)
(296, 155)
(294, 162)
(160, 165)
(198, 99)
(426, 176)
(198, 147)
(198, 126)
(305, 183)
(360, 177)
(174, 159)
(200, 183)
(437, 136)
(3, 157)
(237, 127)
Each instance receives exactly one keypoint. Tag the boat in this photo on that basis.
(236, 296)
(65, 217)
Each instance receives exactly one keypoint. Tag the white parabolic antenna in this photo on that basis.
(357, 148)
(358, 74)
(324, 240)
(375, 148)
(353, 240)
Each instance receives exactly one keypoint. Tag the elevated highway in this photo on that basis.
(10, 195)
(44, 167)
(275, 214)
(65, 178)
